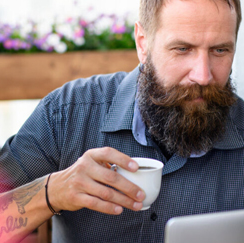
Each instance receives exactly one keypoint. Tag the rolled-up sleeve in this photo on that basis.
(32, 152)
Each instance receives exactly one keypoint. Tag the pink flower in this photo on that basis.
(83, 23)
(69, 20)
(8, 44)
(79, 33)
(118, 29)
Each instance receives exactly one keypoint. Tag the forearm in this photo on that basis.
(22, 210)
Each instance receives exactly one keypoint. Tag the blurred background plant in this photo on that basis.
(105, 32)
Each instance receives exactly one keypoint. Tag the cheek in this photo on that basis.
(221, 72)
(170, 71)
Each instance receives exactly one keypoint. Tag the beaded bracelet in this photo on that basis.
(47, 200)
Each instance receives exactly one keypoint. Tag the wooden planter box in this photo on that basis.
(32, 76)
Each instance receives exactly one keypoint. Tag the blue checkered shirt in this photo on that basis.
(101, 111)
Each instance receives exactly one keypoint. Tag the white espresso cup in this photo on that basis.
(148, 177)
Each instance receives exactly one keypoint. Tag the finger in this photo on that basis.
(95, 203)
(109, 194)
(113, 156)
(117, 181)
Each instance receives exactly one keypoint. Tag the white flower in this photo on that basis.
(53, 40)
(25, 29)
(43, 29)
(103, 23)
(91, 15)
(61, 47)
(65, 30)
(79, 41)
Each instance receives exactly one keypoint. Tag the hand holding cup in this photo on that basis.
(148, 177)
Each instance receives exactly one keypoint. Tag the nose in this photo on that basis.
(201, 72)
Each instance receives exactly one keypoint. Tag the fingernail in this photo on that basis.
(118, 210)
(140, 195)
(137, 205)
(133, 165)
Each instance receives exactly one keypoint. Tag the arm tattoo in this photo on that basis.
(22, 196)
(12, 224)
(5, 200)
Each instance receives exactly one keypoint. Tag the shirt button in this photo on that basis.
(154, 216)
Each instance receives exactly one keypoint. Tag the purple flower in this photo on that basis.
(49, 49)
(39, 42)
(7, 30)
(18, 37)
(29, 38)
(16, 44)
(2, 38)
(118, 29)
(25, 45)
(101, 16)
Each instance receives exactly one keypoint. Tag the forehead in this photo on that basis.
(229, 3)
(196, 16)
(199, 8)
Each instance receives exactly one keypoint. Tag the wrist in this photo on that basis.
(54, 212)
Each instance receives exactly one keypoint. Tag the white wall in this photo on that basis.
(12, 10)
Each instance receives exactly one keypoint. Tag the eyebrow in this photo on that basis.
(179, 43)
(230, 45)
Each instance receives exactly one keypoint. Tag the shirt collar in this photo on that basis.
(120, 114)
(124, 114)
(232, 138)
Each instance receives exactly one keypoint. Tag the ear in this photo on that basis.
(141, 42)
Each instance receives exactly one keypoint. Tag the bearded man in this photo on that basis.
(178, 107)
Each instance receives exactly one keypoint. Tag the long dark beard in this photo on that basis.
(177, 123)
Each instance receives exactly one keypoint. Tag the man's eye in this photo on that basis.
(182, 49)
(221, 50)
